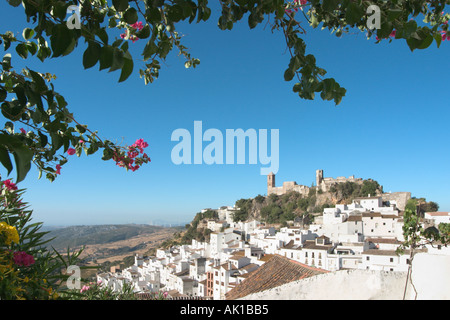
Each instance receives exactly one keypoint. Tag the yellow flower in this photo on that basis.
(11, 233)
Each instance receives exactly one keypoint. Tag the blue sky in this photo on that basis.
(391, 126)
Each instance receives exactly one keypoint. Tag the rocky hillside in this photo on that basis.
(290, 206)
(108, 242)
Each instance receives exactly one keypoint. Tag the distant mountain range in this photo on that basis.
(76, 236)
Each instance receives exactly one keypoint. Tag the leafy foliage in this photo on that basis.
(28, 270)
(349, 190)
(156, 23)
(28, 97)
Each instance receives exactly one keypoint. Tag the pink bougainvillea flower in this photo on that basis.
(134, 39)
(58, 169)
(85, 288)
(71, 151)
(393, 33)
(141, 144)
(445, 35)
(138, 25)
(123, 35)
(10, 185)
(23, 131)
(21, 258)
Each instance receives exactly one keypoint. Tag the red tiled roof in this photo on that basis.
(274, 273)
(438, 213)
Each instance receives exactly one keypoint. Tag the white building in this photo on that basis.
(385, 260)
(438, 217)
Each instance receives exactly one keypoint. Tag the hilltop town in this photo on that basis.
(241, 258)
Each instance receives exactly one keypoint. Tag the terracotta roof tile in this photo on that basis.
(275, 272)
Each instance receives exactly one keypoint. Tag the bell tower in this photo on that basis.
(319, 177)
(270, 182)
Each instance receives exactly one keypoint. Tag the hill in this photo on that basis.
(108, 243)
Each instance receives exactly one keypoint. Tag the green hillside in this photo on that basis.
(75, 236)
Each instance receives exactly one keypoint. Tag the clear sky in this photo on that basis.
(392, 126)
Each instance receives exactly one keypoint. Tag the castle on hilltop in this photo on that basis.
(399, 199)
(322, 183)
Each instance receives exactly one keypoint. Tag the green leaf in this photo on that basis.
(409, 29)
(426, 42)
(32, 47)
(289, 74)
(353, 13)
(153, 15)
(149, 50)
(3, 94)
(62, 41)
(127, 68)
(43, 53)
(27, 33)
(91, 55)
(15, 3)
(22, 50)
(131, 16)
(106, 57)
(5, 159)
(57, 142)
(144, 33)
(437, 37)
(175, 13)
(330, 5)
(43, 139)
(39, 82)
(103, 35)
(120, 5)
(394, 14)
(22, 155)
(117, 60)
(107, 154)
(6, 62)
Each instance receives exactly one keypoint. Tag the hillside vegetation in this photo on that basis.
(76, 236)
(292, 205)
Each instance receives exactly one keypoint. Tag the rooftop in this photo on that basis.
(274, 273)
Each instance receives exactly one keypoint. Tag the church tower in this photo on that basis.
(270, 182)
(319, 177)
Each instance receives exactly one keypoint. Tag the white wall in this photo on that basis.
(430, 277)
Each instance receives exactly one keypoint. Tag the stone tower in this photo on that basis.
(319, 177)
(270, 182)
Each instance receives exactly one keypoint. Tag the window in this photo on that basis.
(391, 260)
(367, 258)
